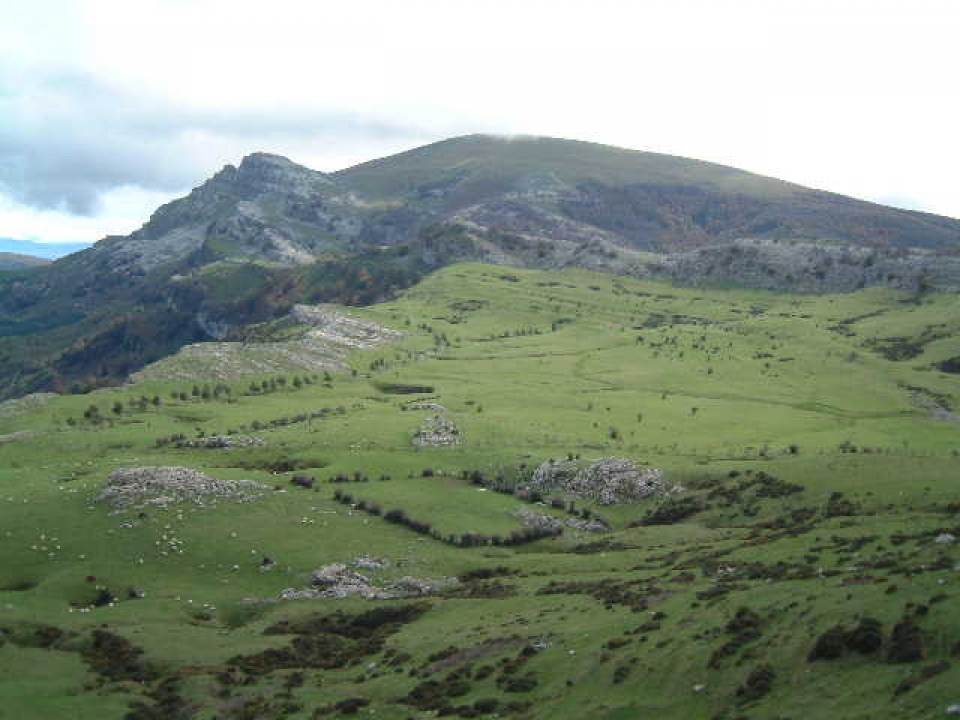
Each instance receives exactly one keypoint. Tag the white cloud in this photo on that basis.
(855, 97)
(122, 210)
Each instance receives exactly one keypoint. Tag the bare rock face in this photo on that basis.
(139, 487)
(341, 329)
(437, 430)
(329, 336)
(608, 481)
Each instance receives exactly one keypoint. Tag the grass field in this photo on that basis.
(839, 398)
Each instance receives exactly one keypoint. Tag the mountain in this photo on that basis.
(16, 261)
(50, 251)
(259, 237)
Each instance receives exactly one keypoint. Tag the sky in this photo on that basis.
(110, 108)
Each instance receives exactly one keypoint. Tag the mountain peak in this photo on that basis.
(260, 160)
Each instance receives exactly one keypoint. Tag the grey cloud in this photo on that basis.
(67, 139)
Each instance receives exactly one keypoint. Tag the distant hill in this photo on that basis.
(256, 238)
(50, 251)
(15, 261)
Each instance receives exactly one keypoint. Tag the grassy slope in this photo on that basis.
(542, 395)
(495, 163)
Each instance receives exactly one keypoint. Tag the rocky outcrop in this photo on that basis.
(139, 487)
(608, 481)
(549, 523)
(218, 442)
(806, 267)
(437, 430)
(340, 329)
(337, 581)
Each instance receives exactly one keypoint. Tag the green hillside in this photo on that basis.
(804, 570)
(497, 163)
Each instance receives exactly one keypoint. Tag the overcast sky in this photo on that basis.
(109, 108)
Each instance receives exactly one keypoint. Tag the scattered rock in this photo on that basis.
(140, 487)
(369, 562)
(435, 407)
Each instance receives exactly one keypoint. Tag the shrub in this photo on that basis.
(304, 481)
(906, 642)
(829, 645)
(758, 683)
(866, 637)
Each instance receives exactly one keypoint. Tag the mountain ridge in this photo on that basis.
(20, 261)
(260, 236)
(48, 251)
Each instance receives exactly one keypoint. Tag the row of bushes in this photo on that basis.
(468, 539)
(280, 383)
(93, 415)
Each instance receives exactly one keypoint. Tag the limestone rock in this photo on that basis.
(337, 581)
(139, 487)
(607, 481)
(215, 442)
(437, 431)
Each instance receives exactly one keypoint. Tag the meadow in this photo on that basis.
(814, 437)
